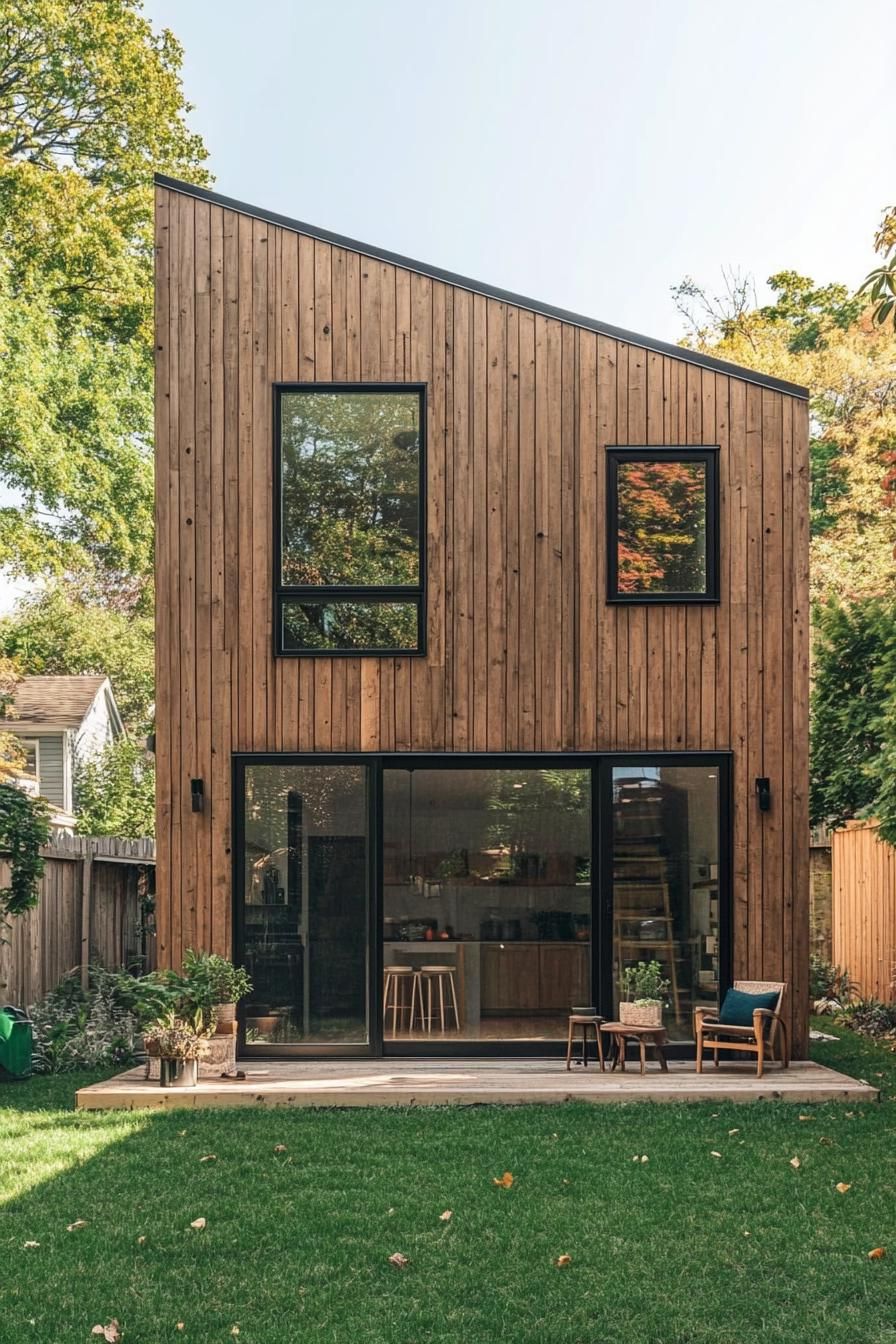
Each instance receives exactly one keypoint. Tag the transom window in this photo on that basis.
(662, 525)
(350, 518)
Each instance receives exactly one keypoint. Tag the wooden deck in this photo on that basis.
(473, 1082)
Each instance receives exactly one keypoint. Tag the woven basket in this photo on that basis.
(641, 1014)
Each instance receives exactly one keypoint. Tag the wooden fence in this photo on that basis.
(90, 910)
(863, 907)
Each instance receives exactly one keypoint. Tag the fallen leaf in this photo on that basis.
(746, 1234)
(732, 1132)
(279, 1147)
(849, 1114)
(828, 1143)
(198, 1223)
(398, 1260)
(645, 1158)
(795, 1163)
(445, 1217)
(807, 1117)
(389, 1212)
(715, 1154)
(141, 1241)
(878, 1253)
(565, 1181)
(505, 1181)
(562, 1261)
(234, 1329)
(31, 1245)
(111, 1332)
(181, 1133)
(79, 1222)
(209, 1157)
(841, 1187)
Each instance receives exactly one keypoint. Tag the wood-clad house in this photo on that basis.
(482, 646)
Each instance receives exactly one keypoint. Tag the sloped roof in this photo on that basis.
(477, 287)
(58, 701)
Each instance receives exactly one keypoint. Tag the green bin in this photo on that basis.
(15, 1043)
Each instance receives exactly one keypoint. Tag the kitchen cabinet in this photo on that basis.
(533, 977)
(563, 976)
(509, 977)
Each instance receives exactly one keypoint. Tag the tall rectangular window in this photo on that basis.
(350, 518)
(662, 527)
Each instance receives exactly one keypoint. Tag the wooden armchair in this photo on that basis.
(760, 1039)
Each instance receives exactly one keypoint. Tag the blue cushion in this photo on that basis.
(737, 1010)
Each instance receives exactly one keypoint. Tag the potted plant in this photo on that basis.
(180, 1043)
(643, 988)
(216, 986)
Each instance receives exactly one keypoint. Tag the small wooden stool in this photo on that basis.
(584, 1021)
(621, 1032)
(394, 999)
(440, 974)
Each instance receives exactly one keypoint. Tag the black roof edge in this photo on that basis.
(492, 291)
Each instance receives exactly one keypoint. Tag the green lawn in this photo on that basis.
(684, 1248)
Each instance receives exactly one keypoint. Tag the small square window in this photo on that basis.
(662, 525)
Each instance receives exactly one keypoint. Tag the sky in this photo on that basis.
(589, 155)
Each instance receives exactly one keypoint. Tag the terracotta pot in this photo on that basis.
(225, 1016)
(641, 1014)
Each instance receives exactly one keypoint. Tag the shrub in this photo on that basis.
(869, 1017)
(211, 979)
(102, 1025)
(831, 987)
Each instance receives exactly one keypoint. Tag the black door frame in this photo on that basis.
(601, 765)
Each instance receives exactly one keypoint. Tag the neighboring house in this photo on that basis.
(482, 635)
(61, 722)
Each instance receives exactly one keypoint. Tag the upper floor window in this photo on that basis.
(32, 756)
(662, 525)
(350, 505)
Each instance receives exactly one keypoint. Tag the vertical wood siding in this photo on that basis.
(523, 652)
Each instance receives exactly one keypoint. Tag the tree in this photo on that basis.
(62, 630)
(12, 753)
(823, 337)
(853, 707)
(116, 791)
(880, 285)
(90, 103)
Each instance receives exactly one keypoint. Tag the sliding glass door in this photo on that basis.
(487, 874)
(303, 918)
(414, 904)
(666, 881)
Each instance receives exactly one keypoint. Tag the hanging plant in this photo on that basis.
(24, 829)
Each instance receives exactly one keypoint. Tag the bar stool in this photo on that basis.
(394, 998)
(440, 974)
(586, 1021)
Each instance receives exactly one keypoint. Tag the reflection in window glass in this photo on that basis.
(304, 915)
(347, 625)
(661, 526)
(350, 465)
(666, 883)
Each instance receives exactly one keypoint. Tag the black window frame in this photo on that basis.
(709, 456)
(411, 594)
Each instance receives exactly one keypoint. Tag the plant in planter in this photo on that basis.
(180, 1043)
(643, 988)
(215, 986)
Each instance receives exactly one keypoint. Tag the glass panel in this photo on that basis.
(666, 883)
(350, 488)
(487, 875)
(661, 527)
(361, 624)
(305, 903)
